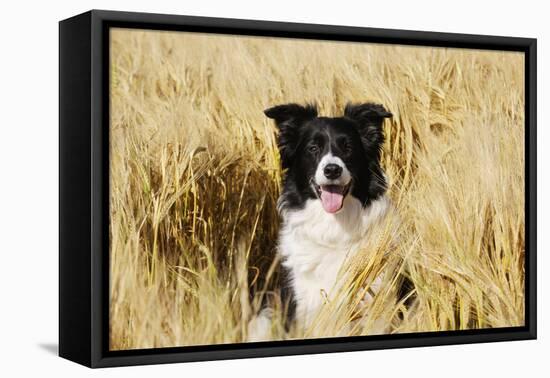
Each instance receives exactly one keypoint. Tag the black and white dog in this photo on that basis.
(333, 190)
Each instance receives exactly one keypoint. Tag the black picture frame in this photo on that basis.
(84, 187)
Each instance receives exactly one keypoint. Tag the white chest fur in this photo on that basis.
(314, 244)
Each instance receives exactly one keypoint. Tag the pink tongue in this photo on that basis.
(331, 200)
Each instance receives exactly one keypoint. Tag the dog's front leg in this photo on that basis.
(260, 327)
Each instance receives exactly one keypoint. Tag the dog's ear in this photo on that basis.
(291, 112)
(369, 118)
(288, 119)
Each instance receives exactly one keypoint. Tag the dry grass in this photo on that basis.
(195, 177)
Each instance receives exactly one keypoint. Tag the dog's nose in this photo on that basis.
(332, 171)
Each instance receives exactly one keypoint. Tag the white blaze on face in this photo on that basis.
(332, 191)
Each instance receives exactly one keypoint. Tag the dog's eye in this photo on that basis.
(347, 147)
(313, 149)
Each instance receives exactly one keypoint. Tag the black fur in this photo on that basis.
(356, 138)
(289, 118)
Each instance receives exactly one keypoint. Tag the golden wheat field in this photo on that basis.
(195, 176)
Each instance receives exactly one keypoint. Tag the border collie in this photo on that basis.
(333, 190)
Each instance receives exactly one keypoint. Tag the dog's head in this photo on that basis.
(330, 158)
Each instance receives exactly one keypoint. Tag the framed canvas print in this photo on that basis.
(234, 188)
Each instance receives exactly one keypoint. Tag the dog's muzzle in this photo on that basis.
(332, 182)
